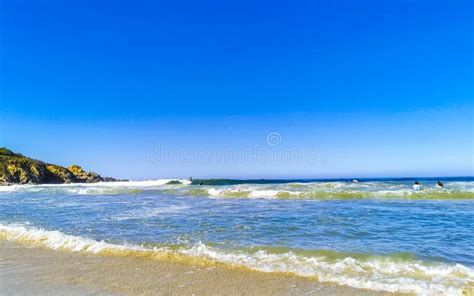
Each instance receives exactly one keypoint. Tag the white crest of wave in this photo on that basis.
(375, 274)
(253, 191)
(54, 239)
(93, 188)
(11, 188)
(264, 193)
(382, 274)
(146, 183)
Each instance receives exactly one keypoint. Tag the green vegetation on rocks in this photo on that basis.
(18, 169)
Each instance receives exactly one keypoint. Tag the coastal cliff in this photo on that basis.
(18, 169)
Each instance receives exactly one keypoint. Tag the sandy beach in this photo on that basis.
(28, 270)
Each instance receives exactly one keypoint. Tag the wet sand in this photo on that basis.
(28, 270)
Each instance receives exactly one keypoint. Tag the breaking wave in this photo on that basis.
(393, 273)
(337, 190)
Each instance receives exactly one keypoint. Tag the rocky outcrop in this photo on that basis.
(88, 177)
(18, 169)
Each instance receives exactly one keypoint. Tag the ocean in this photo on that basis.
(375, 234)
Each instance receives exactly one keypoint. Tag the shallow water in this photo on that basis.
(375, 234)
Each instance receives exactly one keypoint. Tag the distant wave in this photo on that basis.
(285, 181)
(393, 273)
(331, 195)
(335, 190)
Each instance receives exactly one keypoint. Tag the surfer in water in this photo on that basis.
(439, 185)
(417, 186)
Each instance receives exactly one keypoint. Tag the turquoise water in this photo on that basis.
(376, 234)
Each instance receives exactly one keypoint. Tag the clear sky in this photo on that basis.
(153, 89)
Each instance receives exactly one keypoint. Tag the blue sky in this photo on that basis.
(153, 89)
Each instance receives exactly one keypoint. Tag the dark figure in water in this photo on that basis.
(439, 184)
(417, 186)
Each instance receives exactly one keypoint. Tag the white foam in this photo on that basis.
(263, 193)
(376, 190)
(118, 184)
(253, 192)
(146, 183)
(382, 273)
(214, 191)
(9, 188)
(55, 239)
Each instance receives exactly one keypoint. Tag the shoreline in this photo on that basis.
(30, 270)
